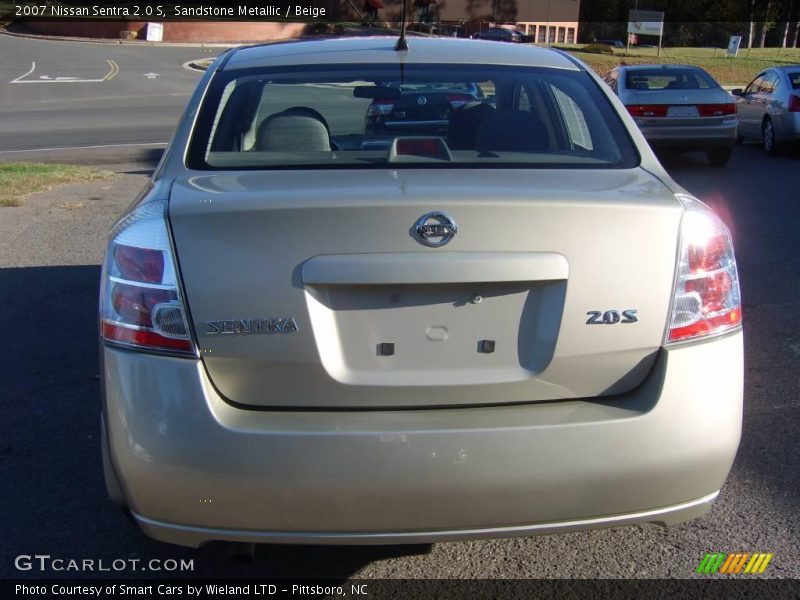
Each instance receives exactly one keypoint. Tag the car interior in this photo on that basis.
(665, 80)
(514, 120)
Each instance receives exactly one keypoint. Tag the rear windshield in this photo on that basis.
(385, 116)
(672, 79)
(794, 79)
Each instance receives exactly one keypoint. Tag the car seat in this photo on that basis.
(297, 129)
(462, 128)
(512, 131)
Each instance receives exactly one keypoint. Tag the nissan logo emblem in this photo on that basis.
(435, 229)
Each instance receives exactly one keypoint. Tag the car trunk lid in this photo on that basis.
(679, 107)
(307, 291)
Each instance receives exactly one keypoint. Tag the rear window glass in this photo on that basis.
(794, 79)
(382, 116)
(672, 79)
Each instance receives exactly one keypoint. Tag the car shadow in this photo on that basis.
(54, 501)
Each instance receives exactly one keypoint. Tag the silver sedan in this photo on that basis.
(315, 333)
(769, 108)
(678, 107)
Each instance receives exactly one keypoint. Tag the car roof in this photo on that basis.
(380, 50)
(659, 66)
(786, 67)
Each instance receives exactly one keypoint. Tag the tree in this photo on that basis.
(766, 24)
(791, 15)
(773, 13)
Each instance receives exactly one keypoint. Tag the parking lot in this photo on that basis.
(54, 500)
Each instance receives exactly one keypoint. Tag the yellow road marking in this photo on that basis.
(113, 72)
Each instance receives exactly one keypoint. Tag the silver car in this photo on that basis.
(312, 335)
(678, 107)
(769, 108)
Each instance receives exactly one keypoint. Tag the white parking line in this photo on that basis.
(113, 70)
(33, 68)
(85, 147)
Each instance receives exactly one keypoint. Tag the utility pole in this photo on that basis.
(628, 39)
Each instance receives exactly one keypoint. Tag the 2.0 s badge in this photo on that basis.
(612, 317)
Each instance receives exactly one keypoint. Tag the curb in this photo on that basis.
(194, 65)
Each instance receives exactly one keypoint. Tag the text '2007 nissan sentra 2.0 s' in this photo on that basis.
(513, 324)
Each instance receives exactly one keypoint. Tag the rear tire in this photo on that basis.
(768, 140)
(719, 157)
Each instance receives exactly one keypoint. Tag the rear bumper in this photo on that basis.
(788, 127)
(194, 469)
(691, 136)
(185, 535)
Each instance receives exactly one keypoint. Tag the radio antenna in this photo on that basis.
(401, 41)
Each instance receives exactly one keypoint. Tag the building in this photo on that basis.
(453, 17)
(553, 21)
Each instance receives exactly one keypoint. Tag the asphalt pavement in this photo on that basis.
(54, 501)
(60, 94)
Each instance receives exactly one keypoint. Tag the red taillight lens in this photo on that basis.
(713, 290)
(143, 338)
(139, 264)
(457, 100)
(140, 303)
(648, 110)
(705, 327)
(794, 103)
(134, 304)
(708, 256)
(431, 147)
(380, 107)
(716, 110)
(706, 298)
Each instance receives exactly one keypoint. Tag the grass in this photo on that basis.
(19, 180)
(727, 71)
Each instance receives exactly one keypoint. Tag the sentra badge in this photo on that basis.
(251, 325)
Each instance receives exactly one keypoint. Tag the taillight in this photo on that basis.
(140, 303)
(716, 110)
(431, 147)
(794, 103)
(647, 110)
(380, 107)
(458, 100)
(139, 264)
(706, 297)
